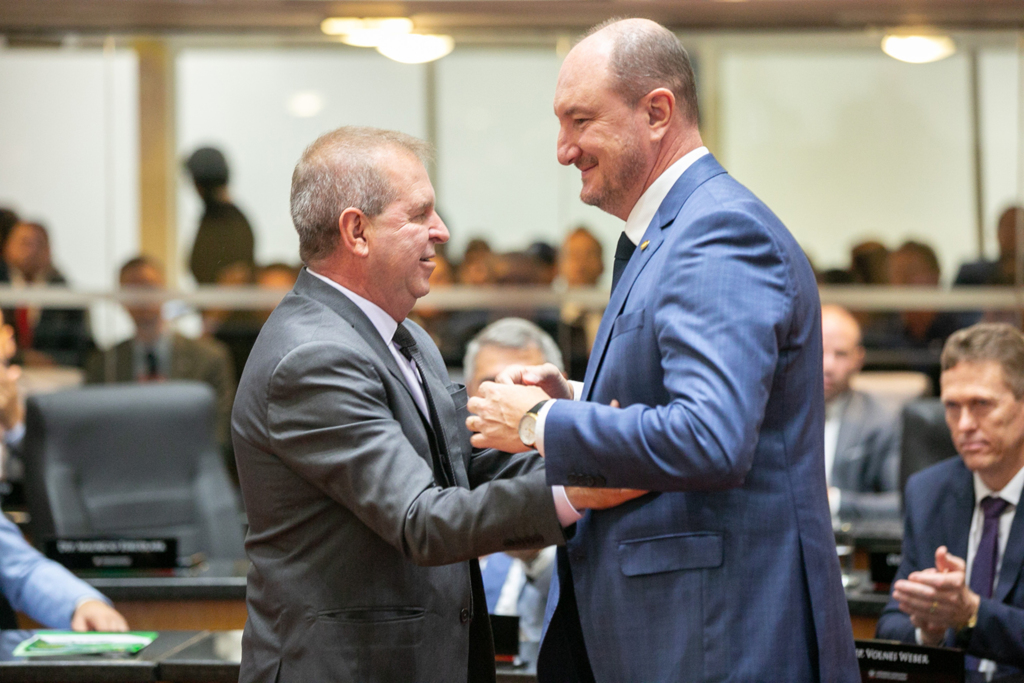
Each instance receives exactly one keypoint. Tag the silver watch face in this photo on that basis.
(527, 427)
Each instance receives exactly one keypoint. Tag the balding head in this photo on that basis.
(842, 352)
(627, 110)
(642, 56)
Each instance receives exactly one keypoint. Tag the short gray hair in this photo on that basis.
(646, 56)
(340, 170)
(998, 342)
(512, 333)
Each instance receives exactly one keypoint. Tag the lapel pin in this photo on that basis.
(644, 245)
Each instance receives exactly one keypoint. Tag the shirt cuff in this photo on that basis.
(577, 389)
(567, 514)
(917, 636)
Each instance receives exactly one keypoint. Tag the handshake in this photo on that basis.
(500, 407)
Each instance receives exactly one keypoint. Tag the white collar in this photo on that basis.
(650, 201)
(1011, 492)
(380, 318)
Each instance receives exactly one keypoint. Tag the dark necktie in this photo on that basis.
(983, 570)
(623, 251)
(442, 468)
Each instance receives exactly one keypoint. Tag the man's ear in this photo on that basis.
(353, 225)
(660, 106)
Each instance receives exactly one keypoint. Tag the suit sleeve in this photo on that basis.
(330, 420)
(36, 586)
(721, 307)
(880, 498)
(999, 633)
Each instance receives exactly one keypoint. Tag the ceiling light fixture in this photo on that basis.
(918, 49)
(416, 48)
(368, 32)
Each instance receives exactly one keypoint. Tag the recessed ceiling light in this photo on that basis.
(918, 49)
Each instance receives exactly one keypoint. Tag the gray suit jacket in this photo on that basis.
(867, 460)
(362, 564)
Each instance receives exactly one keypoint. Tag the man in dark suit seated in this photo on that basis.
(156, 353)
(46, 336)
(862, 445)
(367, 505)
(1002, 271)
(963, 544)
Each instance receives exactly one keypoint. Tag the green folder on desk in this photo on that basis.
(65, 643)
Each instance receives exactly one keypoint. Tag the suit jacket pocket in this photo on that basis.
(627, 322)
(368, 645)
(670, 553)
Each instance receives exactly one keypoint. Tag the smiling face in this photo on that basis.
(985, 419)
(401, 239)
(599, 132)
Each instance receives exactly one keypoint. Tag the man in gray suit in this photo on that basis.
(862, 458)
(366, 502)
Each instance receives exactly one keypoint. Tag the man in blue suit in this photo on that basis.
(961, 513)
(48, 592)
(711, 344)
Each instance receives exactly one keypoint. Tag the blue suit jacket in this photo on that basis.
(939, 504)
(36, 586)
(711, 342)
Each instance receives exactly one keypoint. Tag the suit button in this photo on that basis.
(588, 481)
(600, 481)
(464, 615)
(572, 479)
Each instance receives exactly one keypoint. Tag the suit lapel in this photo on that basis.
(308, 285)
(850, 425)
(700, 172)
(960, 510)
(1013, 558)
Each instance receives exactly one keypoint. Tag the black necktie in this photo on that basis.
(152, 365)
(442, 468)
(623, 251)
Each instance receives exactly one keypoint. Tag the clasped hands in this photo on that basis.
(502, 404)
(938, 598)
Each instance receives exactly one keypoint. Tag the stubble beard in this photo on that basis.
(614, 189)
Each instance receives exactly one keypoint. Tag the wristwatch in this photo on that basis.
(528, 424)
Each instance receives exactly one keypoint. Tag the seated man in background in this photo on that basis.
(46, 591)
(963, 548)
(862, 445)
(158, 353)
(516, 583)
(45, 336)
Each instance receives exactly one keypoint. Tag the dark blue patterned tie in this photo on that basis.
(983, 571)
(623, 250)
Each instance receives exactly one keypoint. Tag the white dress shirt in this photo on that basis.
(386, 327)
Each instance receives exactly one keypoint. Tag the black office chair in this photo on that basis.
(130, 461)
(926, 439)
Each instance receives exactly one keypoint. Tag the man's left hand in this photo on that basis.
(497, 412)
(937, 599)
(94, 615)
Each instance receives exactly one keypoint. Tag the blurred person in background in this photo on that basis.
(224, 236)
(869, 263)
(915, 264)
(515, 583)
(862, 444)
(580, 264)
(45, 336)
(546, 257)
(8, 219)
(1003, 270)
(157, 353)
